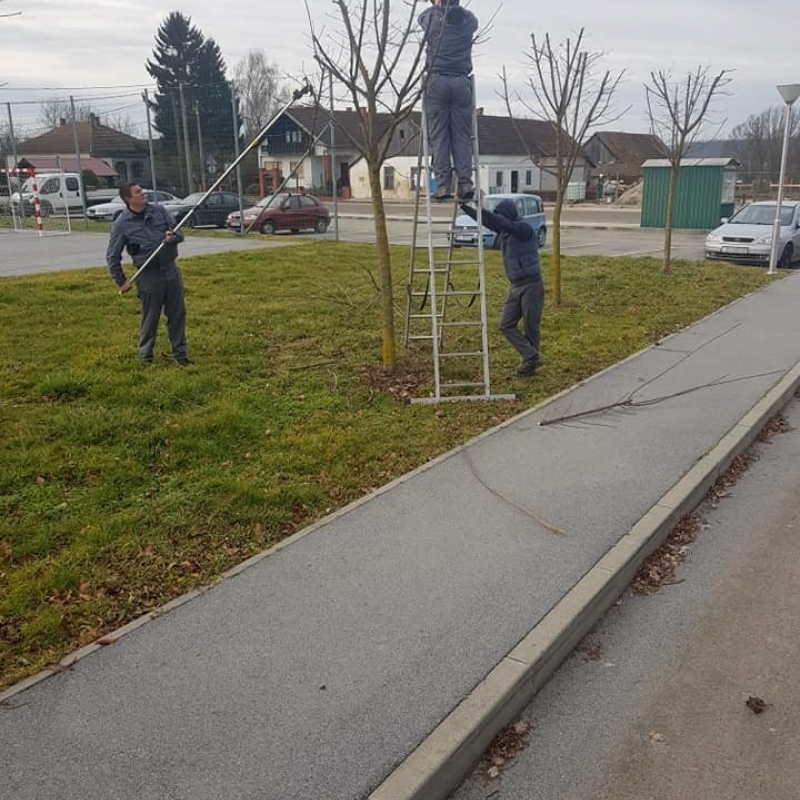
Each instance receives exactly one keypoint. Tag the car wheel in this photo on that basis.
(45, 209)
(189, 223)
(268, 227)
(295, 230)
(321, 226)
(785, 261)
(542, 236)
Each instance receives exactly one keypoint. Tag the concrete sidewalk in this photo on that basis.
(376, 653)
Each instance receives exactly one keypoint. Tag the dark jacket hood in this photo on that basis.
(507, 209)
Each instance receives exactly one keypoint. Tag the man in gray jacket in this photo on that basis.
(525, 300)
(449, 33)
(141, 228)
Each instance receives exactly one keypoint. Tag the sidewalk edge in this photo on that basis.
(442, 760)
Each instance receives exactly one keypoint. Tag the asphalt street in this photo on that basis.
(652, 706)
(585, 231)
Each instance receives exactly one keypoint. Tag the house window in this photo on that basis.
(528, 177)
(413, 177)
(402, 133)
(388, 179)
(288, 137)
(499, 179)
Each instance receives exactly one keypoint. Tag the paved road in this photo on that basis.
(659, 711)
(586, 231)
(26, 253)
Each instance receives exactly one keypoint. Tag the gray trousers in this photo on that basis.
(448, 107)
(523, 303)
(157, 291)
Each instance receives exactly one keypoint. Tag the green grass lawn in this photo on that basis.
(123, 486)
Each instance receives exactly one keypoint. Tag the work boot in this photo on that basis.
(528, 368)
(466, 191)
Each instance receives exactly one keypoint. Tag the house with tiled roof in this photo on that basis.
(619, 156)
(515, 155)
(112, 155)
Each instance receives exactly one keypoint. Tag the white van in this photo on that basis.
(58, 192)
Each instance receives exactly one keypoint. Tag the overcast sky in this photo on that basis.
(75, 47)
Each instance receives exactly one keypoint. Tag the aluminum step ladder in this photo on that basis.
(446, 297)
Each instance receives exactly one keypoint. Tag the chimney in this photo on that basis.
(479, 111)
(94, 120)
(62, 121)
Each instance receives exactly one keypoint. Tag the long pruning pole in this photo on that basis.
(257, 139)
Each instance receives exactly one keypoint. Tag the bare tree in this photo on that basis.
(571, 91)
(259, 89)
(760, 140)
(376, 54)
(58, 111)
(679, 111)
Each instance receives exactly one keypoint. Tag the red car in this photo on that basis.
(284, 212)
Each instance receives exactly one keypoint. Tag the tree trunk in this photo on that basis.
(556, 240)
(385, 269)
(673, 183)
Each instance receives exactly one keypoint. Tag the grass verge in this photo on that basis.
(123, 487)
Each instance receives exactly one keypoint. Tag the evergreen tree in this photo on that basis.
(190, 75)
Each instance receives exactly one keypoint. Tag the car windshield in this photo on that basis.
(490, 203)
(271, 200)
(762, 215)
(192, 199)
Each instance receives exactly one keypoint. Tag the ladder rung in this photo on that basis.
(461, 355)
(460, 324)
(456, 292)
(453, 384)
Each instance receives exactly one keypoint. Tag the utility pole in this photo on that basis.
(179, 154)
(235, 111)
(186, 139)
(146, 99)
(334, 179)
(200, 147)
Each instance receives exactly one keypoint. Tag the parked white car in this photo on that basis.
(746, 238)
(111, 210)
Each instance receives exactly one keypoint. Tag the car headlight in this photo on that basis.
(765, 239)
(713, 238)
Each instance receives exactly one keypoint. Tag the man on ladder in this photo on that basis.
(449, 32)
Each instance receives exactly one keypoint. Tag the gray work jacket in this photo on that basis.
(141, 234)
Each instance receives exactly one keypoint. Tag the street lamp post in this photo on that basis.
(789, 92)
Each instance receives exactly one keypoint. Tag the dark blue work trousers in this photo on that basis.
(162, 291)
(524, 302)
(448, 106)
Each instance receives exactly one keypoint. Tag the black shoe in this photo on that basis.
(442, 196)
(183, 362)
(528, 368)
(146, 362)
(466, 193)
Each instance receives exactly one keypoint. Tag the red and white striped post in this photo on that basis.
(37, 204)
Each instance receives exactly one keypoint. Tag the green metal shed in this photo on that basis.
(706, 191)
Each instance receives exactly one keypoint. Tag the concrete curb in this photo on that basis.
(446, 756)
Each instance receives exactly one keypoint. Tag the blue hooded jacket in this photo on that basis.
(517, 239)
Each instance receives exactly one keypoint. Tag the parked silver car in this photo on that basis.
(111, 210)
(529, 207)
(746, 238)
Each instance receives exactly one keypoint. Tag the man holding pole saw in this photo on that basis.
(146, 231)
(152, 238)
